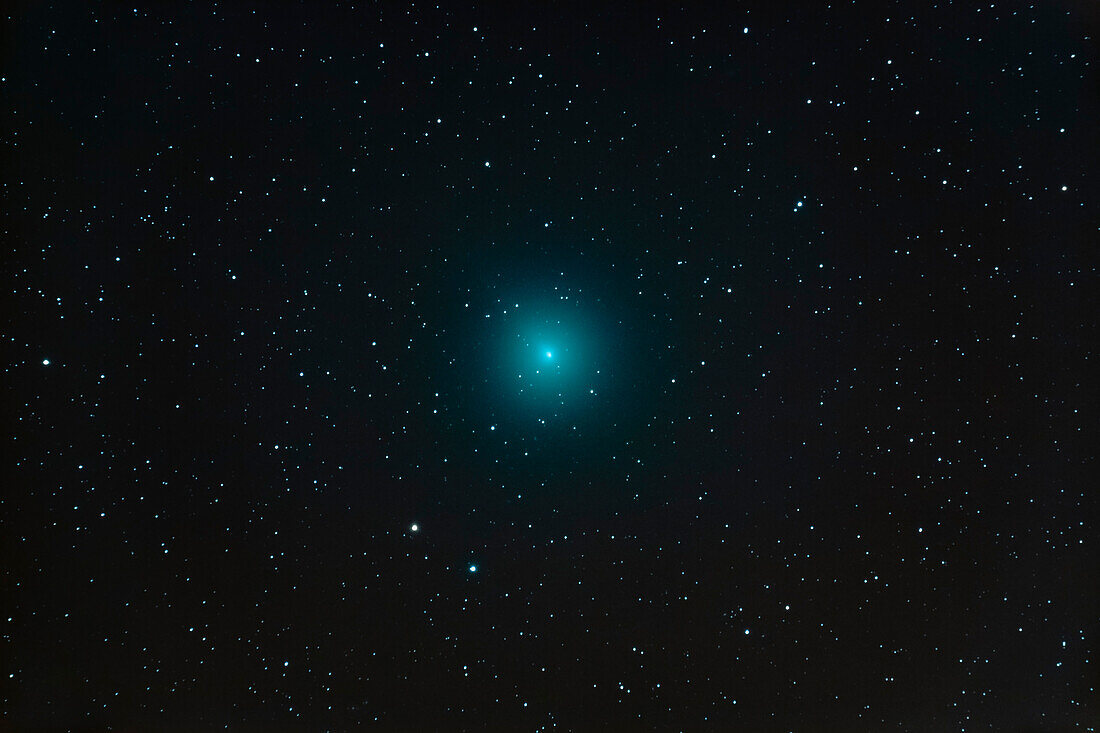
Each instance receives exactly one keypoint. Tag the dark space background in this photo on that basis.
(816, 451)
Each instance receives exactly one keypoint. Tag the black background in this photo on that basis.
(836, 475)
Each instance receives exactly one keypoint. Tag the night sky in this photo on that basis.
(427, 368)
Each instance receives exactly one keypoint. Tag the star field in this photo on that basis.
(406, 367)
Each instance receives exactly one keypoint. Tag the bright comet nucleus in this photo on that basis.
(554, 349)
